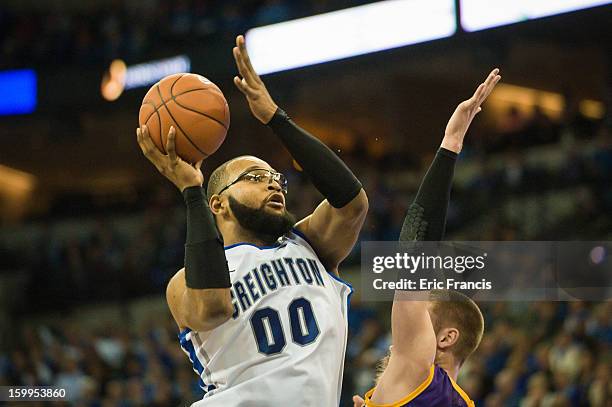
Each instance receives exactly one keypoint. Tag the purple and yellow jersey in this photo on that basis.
(438, 390)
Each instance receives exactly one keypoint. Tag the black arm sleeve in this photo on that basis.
(324, 168)
(205, 262)
(426, 218)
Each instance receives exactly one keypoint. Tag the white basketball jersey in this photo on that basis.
(285, 343)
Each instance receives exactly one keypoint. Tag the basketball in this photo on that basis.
(195, 107)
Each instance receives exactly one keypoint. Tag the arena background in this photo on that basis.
(90, 232)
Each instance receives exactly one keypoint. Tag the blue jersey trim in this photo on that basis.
(183, 334)
(274, 246)
(187, 346)
(338, 279)
(346, 283)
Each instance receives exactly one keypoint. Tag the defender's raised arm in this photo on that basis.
(426, 218)
(430, 335)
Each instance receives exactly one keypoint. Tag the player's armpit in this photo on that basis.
(334, 231)
(198, 310)
(395, 388)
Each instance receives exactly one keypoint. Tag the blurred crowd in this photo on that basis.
(537, 158)
(112, 366)
(532, 355)
(130, 29)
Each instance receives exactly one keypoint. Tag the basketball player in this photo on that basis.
(263, 319)
(434, 335)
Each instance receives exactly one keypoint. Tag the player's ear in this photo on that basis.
(217, 205)
(447, 337)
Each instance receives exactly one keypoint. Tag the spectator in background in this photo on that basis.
(71, 377)
(513, 122)
(600, 390)
(537, 389)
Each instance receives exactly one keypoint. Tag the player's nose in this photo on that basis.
(274, 186)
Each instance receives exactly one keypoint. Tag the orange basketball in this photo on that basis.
(195, 107)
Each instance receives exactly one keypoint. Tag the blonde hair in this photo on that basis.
(451, 309)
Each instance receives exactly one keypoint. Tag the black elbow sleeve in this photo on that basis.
(426, 218)
(328, 173)
(205, 262)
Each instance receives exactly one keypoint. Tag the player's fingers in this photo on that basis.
(490, 83)
(476, 97)
(147, 146)
(249, 90)
(139, 139)
(241, 44)
(483, 90)
(492, 75)
(243, 68)
(238, 83)
(239, 61)
(150, 151)
(198, 165)
(171, 145)
(491, 86)
(146, 137)
(247, 59)
(243, 86)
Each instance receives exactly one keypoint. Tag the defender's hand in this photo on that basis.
(251, 86)
(358, 401)
(466, 111)
(182, 174)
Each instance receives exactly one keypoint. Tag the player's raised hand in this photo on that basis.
(179, 172)
(466, 111)
(259, 99)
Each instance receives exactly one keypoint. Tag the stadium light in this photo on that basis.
(19, 88)
(481, 14)
(120, 77)
(349, 32)
(526, 99)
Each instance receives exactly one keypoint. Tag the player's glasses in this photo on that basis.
(260, 175)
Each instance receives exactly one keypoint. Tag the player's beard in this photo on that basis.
(264, 225)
